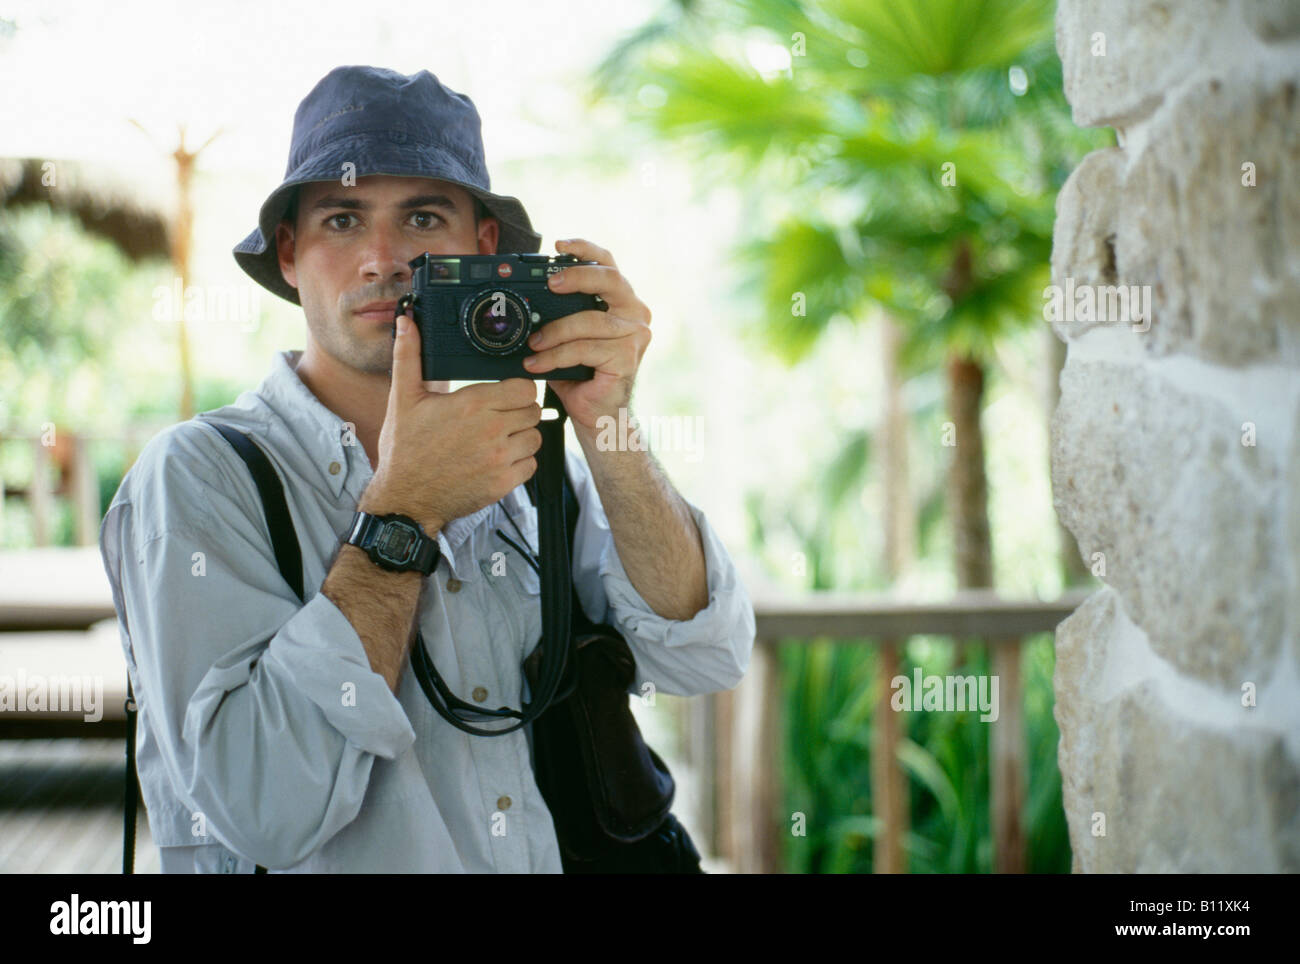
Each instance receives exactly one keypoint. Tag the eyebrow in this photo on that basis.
(356, 204)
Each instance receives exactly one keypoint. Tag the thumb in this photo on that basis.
(407, 371)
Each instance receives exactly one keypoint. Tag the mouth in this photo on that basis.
(378, 311)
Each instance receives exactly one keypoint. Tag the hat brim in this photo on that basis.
(257, 256)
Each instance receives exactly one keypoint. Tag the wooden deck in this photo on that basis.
(61, 809)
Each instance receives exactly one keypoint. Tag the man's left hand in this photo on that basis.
(611, 342)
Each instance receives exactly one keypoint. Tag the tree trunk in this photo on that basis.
(973, 555)
(967, 482)
(888, 781)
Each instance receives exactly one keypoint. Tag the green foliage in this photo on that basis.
(110, 467)
(52, 286)
(831, 692)
(212, 393)
(65, 301)
(827, 776)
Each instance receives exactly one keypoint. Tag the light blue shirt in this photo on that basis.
(265, 737)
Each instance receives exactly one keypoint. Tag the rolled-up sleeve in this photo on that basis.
(704, 654)
(267, 715)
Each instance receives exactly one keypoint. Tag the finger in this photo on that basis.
(595, 352)
(407, 375)
(523, 470)
(592, 279)
(584, 250)
(522, 418)
(607, 282)
(580, 324)
(523, 444)
(514, 393)
(502, 396)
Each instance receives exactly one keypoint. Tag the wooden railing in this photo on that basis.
(736, 736)
(62, 468)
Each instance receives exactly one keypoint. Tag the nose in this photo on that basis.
(385, 257)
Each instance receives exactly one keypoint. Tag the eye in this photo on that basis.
(333, 217)
(427, 214)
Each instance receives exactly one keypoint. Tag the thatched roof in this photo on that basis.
(138, 228)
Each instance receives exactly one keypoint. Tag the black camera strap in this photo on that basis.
(547, 490)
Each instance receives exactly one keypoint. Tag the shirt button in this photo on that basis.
(479, 694)
(503, 803)
(453, 584)
(335, 468)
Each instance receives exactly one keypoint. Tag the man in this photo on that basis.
(293, 736)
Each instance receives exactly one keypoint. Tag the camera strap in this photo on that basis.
(546, 489)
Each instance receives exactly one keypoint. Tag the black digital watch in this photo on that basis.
(394, 542)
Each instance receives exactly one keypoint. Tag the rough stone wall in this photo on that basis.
(1176, 442)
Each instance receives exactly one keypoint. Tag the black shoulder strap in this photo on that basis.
(283, 538)
(288, 556)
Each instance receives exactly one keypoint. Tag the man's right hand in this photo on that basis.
(447, 455)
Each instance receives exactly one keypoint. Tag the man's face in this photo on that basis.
(351, 248)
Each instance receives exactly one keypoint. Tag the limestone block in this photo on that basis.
(1179, 790)
(1087, 220)
(1222, 257)
(1189, 521)
(1153, 46)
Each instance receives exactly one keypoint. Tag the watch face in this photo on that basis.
(397, 542)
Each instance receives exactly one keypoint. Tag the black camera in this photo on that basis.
(476, 313)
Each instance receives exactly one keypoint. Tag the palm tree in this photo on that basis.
(902, 156)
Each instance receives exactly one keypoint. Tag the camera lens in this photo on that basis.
(496, 322)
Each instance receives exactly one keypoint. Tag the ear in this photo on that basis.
(284, 252)
(488, 235)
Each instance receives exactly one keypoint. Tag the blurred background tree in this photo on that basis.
(899, 156)
(900, 163)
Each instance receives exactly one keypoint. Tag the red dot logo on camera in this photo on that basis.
(504, 269)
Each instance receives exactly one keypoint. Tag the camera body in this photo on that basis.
(476, 313)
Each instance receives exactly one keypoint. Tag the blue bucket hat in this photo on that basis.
(382, 122)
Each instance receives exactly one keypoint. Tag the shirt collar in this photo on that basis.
(332, 450)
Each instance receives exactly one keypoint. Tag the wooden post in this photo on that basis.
(1007, 762)
(701, 740)
(85, 493)
(182, 237)
(756, 786)
(888, 782)
(724, 705)
(38, 495)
